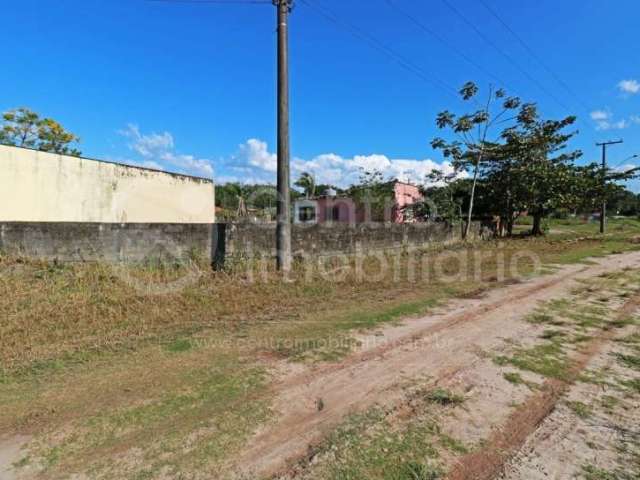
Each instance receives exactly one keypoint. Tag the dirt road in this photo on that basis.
(447, 346)
(515, 417)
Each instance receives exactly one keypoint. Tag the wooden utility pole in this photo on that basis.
(603, 208)
(283, 229)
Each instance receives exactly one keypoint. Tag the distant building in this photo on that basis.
(331, 207)
(405, 196)
(46, 187)
(324, 209)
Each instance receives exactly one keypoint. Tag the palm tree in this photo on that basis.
(307, 183)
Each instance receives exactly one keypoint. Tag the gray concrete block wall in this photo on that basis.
(109, 242)
(215, 243)
(256, 240)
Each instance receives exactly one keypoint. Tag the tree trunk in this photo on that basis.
(510, 225)
(473, 194)
(537, 224)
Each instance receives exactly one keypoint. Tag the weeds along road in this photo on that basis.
(528, 378)
(452, 349)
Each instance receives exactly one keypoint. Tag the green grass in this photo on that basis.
(596, 377)
(452, 444)
(513, 377)
(550, 334)
(581, 409)
(516, 379)
(629, 361)
(392, 314)
(590, 472)
(179, 345)
(547, 359)
(444, 397)
(633, 384)
(609, 403)
(368, 447)
(167, 377)
(540, 318)
(222, 404)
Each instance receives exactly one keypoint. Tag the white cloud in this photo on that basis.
(147, 145)
(189, 163)
(604, 120)
(625, 167)
(158, 151)
(600, 115)
(607, 125)
(629, 86)
(635, 118)
(256, 154)
(256, 162)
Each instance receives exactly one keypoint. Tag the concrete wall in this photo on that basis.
(133, 242)
(107, 242)
(44, 187)
(241, 240)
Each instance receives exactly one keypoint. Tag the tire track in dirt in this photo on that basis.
(489, 461)
(438, 345)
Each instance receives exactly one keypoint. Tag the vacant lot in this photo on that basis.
(408, 366)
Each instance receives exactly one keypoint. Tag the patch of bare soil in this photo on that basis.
(593, 431)
(11, 452)
(448, 346)
(488, 461)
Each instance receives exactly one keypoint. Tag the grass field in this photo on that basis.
(93, 367)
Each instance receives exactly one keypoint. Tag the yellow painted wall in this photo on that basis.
(44, 187)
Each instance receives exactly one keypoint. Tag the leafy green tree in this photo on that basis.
(373, 191)
(443, 200)
(624, 202)
(54, 138)
(542, 174)
(20, 128)
(471, 147)
(307, 183)
(593, 185)
(24, 128)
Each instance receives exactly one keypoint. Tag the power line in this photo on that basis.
(447, 44)
(381, 47)
(534, 55)
(247, 2)
(626, 160)
(603, 207)
(508, 57)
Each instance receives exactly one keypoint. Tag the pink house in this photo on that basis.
(405, 195)
(325, 209)
(332, 208)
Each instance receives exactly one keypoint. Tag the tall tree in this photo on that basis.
(307, 183)
(375, 193)
(592, 185)
(442, 199)
(471, 146)
(542, 170)
(24, 128)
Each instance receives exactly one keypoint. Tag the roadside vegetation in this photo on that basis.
(92, 367)
(381, 444)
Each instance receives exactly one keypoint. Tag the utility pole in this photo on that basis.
(603, 208)
(283, 229)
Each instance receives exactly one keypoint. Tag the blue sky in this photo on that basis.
(191, 88)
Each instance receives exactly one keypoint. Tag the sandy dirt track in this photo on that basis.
(442, 346)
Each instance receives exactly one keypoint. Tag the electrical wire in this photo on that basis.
(533, 54)
(381, 47)
(246, 2)
(422, 26)
(626, 160)
(508, 57)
